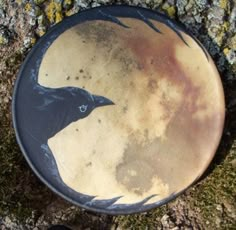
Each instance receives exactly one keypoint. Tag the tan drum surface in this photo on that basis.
(167, 118)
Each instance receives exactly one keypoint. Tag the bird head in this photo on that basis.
(84, 103)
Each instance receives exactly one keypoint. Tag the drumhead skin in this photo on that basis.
(118, 109)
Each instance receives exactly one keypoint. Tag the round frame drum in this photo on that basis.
(118, 109)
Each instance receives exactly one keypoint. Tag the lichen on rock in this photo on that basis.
(54, 11)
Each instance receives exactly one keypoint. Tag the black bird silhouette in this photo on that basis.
(57, 108)
(46, 111)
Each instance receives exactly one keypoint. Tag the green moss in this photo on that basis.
(148, 220)
(20, 191)
(212, 200)
(10, 161)
(218, 191)
(14, 60)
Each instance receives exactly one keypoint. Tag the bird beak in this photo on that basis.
(101, 101)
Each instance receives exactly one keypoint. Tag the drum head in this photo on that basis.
(118, 109)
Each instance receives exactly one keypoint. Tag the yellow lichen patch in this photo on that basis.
(67, 2)
(33, 41)
(54, 12)
(69, 13)
(221, 33)
(219, 38)
(171, 11)
(223, 4)
(2, 41)
(50, 11)
(225, 26)
(28, 7)
(18, 2)
(41, 33)
(226, 50)
(59, 17)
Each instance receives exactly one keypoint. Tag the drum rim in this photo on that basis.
(27, 155)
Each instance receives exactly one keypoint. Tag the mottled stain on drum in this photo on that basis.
(105, 37)
(152, 85)
(168, 113)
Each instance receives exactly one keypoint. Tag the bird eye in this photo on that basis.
(83, 108)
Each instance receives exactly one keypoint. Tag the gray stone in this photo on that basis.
(232, 19)
(27, 42)
(198, 18)
(95, 4)
(189, 5)
(202, 4)
(41, 20)
(165, 221)
(181, 6)
(231, 57)
(216, 13)
(171, 2)
(32, 21)
(219, 207)
(2, 13)
(82, 3)
(4, 35)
